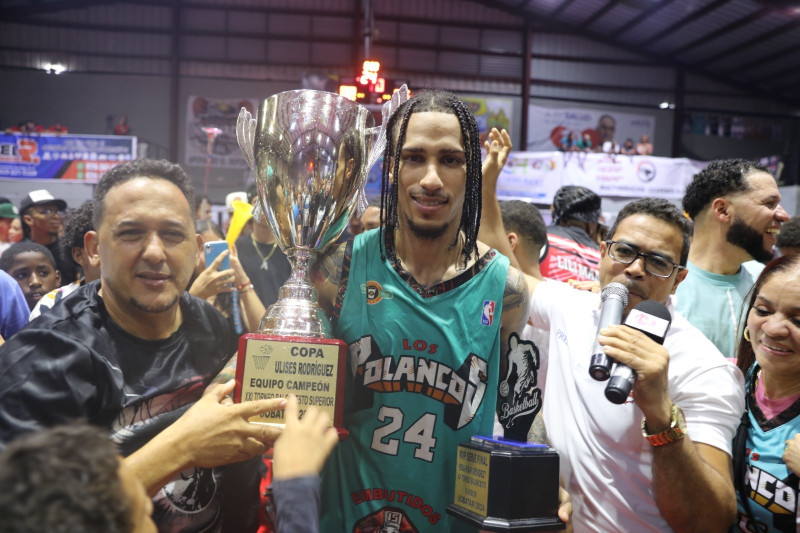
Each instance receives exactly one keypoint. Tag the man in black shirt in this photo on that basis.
(133, 351)
(262, 258)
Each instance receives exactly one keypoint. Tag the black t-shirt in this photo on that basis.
(267, 275)
(76, 362)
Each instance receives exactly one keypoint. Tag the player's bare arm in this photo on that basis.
(228, 372)
(326, 275)
(516, 303)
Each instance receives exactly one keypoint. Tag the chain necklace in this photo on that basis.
(264, 259)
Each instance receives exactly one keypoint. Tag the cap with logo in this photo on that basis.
(42, 196)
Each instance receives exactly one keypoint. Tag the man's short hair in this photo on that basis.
(524, 219)
(140, 168)
(76, 223)
(789, 237)
(63, 479)
(720, 178)
(24, 247)
(662, 210)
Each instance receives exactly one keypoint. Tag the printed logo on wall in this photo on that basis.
(646, 171)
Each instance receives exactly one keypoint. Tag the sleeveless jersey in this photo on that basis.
(422, 378)
(772, 488)
(570, 255)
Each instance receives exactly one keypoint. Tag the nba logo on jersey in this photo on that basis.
(487, 316)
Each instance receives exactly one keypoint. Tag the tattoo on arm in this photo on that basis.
(516, 293)
(228, 372)
(328, 268)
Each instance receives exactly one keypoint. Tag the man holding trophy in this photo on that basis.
(426, 311)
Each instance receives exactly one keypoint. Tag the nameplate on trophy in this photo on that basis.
(504, 485)
(274, 366)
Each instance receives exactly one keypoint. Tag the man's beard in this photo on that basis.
(153, 308)
(748, 239)
(427, 233)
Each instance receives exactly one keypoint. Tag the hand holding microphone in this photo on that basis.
(613, 301)
(654, 320)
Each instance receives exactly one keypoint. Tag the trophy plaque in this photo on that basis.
(309, 151)
(503, 485)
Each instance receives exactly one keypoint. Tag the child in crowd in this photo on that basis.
(33, 267)
(76, 223)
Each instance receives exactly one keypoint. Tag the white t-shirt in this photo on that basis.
(605, 462)
(50, 299)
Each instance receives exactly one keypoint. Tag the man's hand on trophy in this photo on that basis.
(216, 432)
(304, 445)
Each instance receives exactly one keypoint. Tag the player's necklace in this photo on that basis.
(264, 258)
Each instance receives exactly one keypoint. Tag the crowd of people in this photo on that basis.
(31, 126)
(124, 372)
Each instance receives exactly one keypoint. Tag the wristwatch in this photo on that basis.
(675, 432)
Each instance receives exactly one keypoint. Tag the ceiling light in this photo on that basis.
(54, 68)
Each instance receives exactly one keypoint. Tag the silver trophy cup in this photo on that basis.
(309, 151)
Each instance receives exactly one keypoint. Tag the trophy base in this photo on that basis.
(494, 489)
(492, 523)
(274, 366)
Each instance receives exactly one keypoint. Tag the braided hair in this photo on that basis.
(432, 100)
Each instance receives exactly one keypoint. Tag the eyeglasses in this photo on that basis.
(48, 211)
(653, 264)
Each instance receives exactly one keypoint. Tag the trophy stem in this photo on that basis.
(296, 313)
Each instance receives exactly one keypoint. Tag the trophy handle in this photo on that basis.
(245, 135)
(378, 144)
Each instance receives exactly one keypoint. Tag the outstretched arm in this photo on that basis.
(492, 231)
(213, 432)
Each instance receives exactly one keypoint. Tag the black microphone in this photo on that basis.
(651, 318)
(613, 301)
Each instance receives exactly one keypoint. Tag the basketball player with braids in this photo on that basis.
(427, 312)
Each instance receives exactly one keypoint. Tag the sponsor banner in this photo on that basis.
(536, 176)
(62, 156)
(547, 126)
(490, 113)
(206, 112)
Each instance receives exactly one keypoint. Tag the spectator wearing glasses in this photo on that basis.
(663, 457)
(42, 217)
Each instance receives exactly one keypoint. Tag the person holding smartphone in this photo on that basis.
(219, 273)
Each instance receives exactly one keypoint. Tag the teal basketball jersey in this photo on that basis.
(422, 378)
(771, 487)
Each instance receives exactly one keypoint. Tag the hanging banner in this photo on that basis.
(490, 113)
(549, 126)
(62, 156)
(536, 176)
(205, 112)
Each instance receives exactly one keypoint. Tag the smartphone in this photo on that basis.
(212, 249)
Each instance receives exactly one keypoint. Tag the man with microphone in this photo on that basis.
(661, 460)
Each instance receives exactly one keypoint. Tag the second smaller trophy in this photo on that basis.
(504, 485)
(309, 152)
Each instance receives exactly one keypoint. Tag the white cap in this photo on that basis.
(238, 195)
